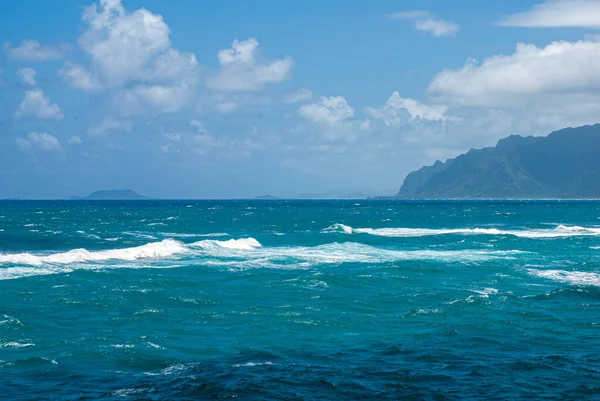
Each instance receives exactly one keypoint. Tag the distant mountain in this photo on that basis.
(266, 197)
(122, 194)
(346, 193)
(564, 164)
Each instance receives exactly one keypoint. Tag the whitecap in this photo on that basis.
(570, 277)
(253, 364)
(556, 232)
(160, 249)
(239, 244)
(14, 344)
(486, 292)
(94, 236)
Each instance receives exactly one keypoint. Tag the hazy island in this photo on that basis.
(120, 194)
(564, 164)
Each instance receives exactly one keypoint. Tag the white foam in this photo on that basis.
(486, 292)
(239, 244)
(160, 249)
(252, 364)
(14, 344)
(337, 253)
(243, 253)
(186, 235)
(570, 277)
(557, 232)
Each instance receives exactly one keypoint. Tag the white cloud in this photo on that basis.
(32, 50)
(437, 27)
(558, 13)
(398, 108)
(27, 75)
(133, 50)
(41, 140)
(226, 107)
(329, 110)
(301, 95)
(79, 77)
(531, 74)
(426, 23)
(36, 104)
(109, 124)
(243, 70)
(159, 98)
(75, 140)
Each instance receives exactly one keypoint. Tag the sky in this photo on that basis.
(236, 99)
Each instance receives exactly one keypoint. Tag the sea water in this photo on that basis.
(299, 300)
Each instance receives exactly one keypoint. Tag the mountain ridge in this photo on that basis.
(563, 164)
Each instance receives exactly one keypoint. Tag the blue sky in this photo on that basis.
(238, 99)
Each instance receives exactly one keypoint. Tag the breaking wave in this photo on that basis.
(570, 277)
(243, 253)
(557, 232)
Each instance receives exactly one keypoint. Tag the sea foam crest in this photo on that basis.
(160, 249)
(570, 277)
(243, 253)
(240, 244)
(556, 232)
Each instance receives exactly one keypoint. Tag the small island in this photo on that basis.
(120, 194)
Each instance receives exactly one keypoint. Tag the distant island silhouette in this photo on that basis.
(564, 164)
(120, 194)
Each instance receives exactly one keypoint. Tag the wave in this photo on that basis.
(236, 254)
(570, 277)
(240, 244)
(557, 232)
(164, 248)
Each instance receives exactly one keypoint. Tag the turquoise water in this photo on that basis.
(299, 300)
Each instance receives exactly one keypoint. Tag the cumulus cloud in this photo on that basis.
(79, 77)
(424, 22)
(27, 75)
(132, 51)
(32, 50)
(301, 95)
(109, 124)
(158, 98)
(75, 140)
(558, 13)
(242, 69)
(329, 110)
(41, 140)
(36, 104)
(398, 108)
(531, 74)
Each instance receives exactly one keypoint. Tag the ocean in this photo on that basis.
(299, 300)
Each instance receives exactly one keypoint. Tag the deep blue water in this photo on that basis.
(299, 300)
